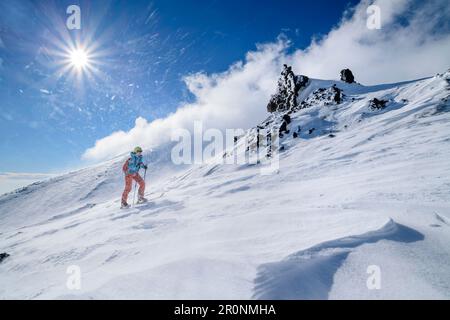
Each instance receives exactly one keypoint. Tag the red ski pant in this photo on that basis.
(128, 185)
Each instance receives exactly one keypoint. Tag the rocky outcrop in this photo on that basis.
(338, 96)
(347, 76)
(3, 256)
(284, 125)
(289, 86)
(322, 97)
(376, 104)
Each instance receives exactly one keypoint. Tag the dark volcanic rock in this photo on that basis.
(337, 94)
(3, 256)
(347, 76)
(287, 118)
(284, 126)
(323, 97)
(376, 104)
(289, 86)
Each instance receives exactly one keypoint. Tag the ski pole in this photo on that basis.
(134, 192)
(145, 173)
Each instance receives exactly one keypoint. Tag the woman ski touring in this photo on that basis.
(131, 169)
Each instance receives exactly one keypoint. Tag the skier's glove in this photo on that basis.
(145, 167)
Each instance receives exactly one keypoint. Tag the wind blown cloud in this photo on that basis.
(413, 42)
(233, 99)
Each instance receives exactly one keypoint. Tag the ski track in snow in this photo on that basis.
(378, 193)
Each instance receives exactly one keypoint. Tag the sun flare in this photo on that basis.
(79, 59)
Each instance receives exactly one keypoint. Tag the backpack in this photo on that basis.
(125, 166)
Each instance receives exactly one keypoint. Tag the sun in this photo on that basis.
(79, 59)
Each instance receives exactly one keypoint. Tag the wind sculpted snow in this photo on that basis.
(308, 274)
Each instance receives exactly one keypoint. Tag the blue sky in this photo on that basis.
(48, 118)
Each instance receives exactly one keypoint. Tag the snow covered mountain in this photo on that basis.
(363, 184)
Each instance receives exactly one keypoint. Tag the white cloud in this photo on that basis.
(233, 99)
(408, 45)
(414, 42)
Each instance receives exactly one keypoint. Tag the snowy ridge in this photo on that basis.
(328, 116)
(365, 187)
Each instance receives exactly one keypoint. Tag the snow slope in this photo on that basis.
(375, 192)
